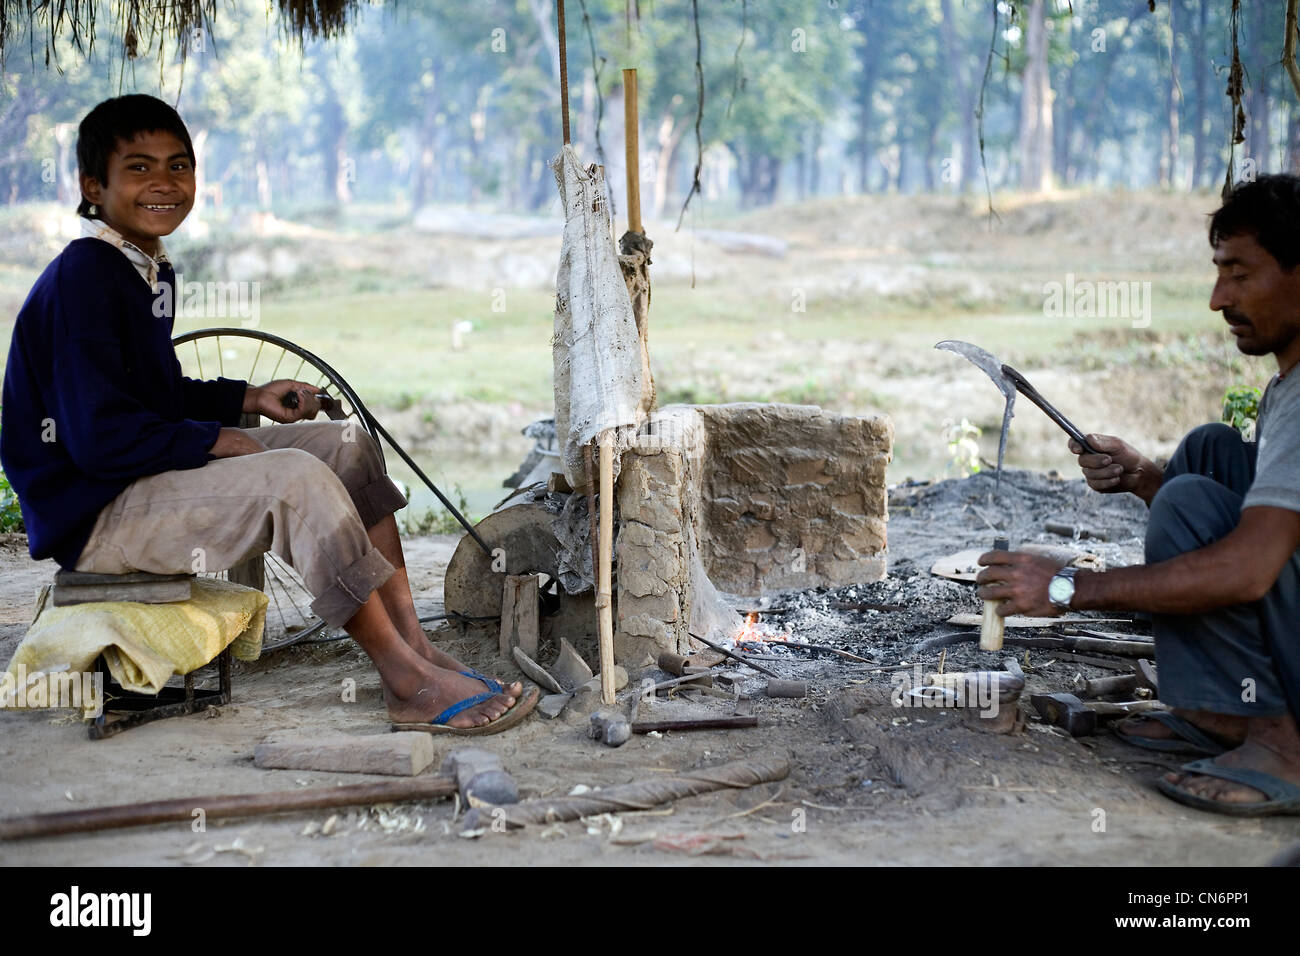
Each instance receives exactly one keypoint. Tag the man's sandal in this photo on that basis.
(1187, 739)
(1283, 796)
(523, 706)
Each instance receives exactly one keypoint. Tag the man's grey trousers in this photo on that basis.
(1243, 659)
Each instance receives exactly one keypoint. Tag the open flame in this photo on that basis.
(753, 632)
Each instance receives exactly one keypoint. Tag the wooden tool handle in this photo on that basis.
(221, 806)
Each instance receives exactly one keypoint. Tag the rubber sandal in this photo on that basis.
(491, 683)
(1190, 739)
(523, 706)
(1283, 796)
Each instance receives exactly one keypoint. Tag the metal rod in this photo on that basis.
(706, 723)
(733, 656)
(464, 523)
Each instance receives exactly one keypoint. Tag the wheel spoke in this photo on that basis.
(252, 371)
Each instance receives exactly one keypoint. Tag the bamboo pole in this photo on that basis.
(564, 69)
(604, 596)
(631, 140)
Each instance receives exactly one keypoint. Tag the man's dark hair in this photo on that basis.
(1269, 210)
(122, 119)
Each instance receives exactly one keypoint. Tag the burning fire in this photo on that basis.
(752, 632)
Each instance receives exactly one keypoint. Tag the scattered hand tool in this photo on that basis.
(480, 777)
(1103, 686)
(735, 657)
(1031, 393)
(993, 369)
(1009, 381)
(988, 701)
(787, 688)
(1079, 718)
(611, 729)
(1146, 673)
(630, 796)
(993, 624)
(468, 770)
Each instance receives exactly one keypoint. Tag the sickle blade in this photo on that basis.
(991, 367)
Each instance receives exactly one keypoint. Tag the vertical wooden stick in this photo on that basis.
(589, 473)
(604, 596)
(564, 70)
(632, 146)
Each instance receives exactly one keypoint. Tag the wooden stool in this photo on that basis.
(129, 708)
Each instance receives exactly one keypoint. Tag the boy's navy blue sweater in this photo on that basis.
(94, 397)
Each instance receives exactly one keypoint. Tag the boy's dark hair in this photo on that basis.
(122, 119)
(1269, 210)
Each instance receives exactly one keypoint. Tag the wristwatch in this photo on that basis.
(1060, 590)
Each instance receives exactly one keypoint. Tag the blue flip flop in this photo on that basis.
(1283, 796)
(1189, 738)
(491, 683)
(493, 686)
(523, 706)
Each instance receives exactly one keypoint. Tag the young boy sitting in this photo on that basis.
(122, 464)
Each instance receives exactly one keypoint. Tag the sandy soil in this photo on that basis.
(870, 784)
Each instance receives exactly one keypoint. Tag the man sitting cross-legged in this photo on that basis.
(1222, 578)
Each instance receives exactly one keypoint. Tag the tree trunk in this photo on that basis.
(1036, 106)
(1257, 107)
(1293, 141)
(199, 139)
(962, 73)
(1200, 164)
(669, 136)
(815, 162)
(1169, 159)
(425, 167)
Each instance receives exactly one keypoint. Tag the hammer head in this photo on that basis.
(1067, 712)
(479, 775)
(611, 729)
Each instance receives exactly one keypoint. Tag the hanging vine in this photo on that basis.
(699, 112)
(1236, 87)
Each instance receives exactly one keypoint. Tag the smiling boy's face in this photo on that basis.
(150, 188)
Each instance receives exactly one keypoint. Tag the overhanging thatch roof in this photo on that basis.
(141, 26)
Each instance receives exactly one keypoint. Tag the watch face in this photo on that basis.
(1060, 590)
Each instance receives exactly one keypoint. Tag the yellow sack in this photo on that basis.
(143, 644)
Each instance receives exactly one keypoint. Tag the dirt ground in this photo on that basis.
(870, 783)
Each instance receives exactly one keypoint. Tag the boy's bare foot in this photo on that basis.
(1272, 746)
(1227, 727)
(443, 688)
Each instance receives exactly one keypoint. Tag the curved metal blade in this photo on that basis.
(991, 367)
(985, 361)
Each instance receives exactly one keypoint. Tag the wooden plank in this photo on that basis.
(399, 754)
(159, 592)
(83, 578)
(519, 614)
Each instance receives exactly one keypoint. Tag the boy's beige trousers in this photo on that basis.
(309, 499)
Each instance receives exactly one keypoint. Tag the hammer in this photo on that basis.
(480, 777)
(1079, 718)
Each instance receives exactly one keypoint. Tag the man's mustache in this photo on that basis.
(1234, 317)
